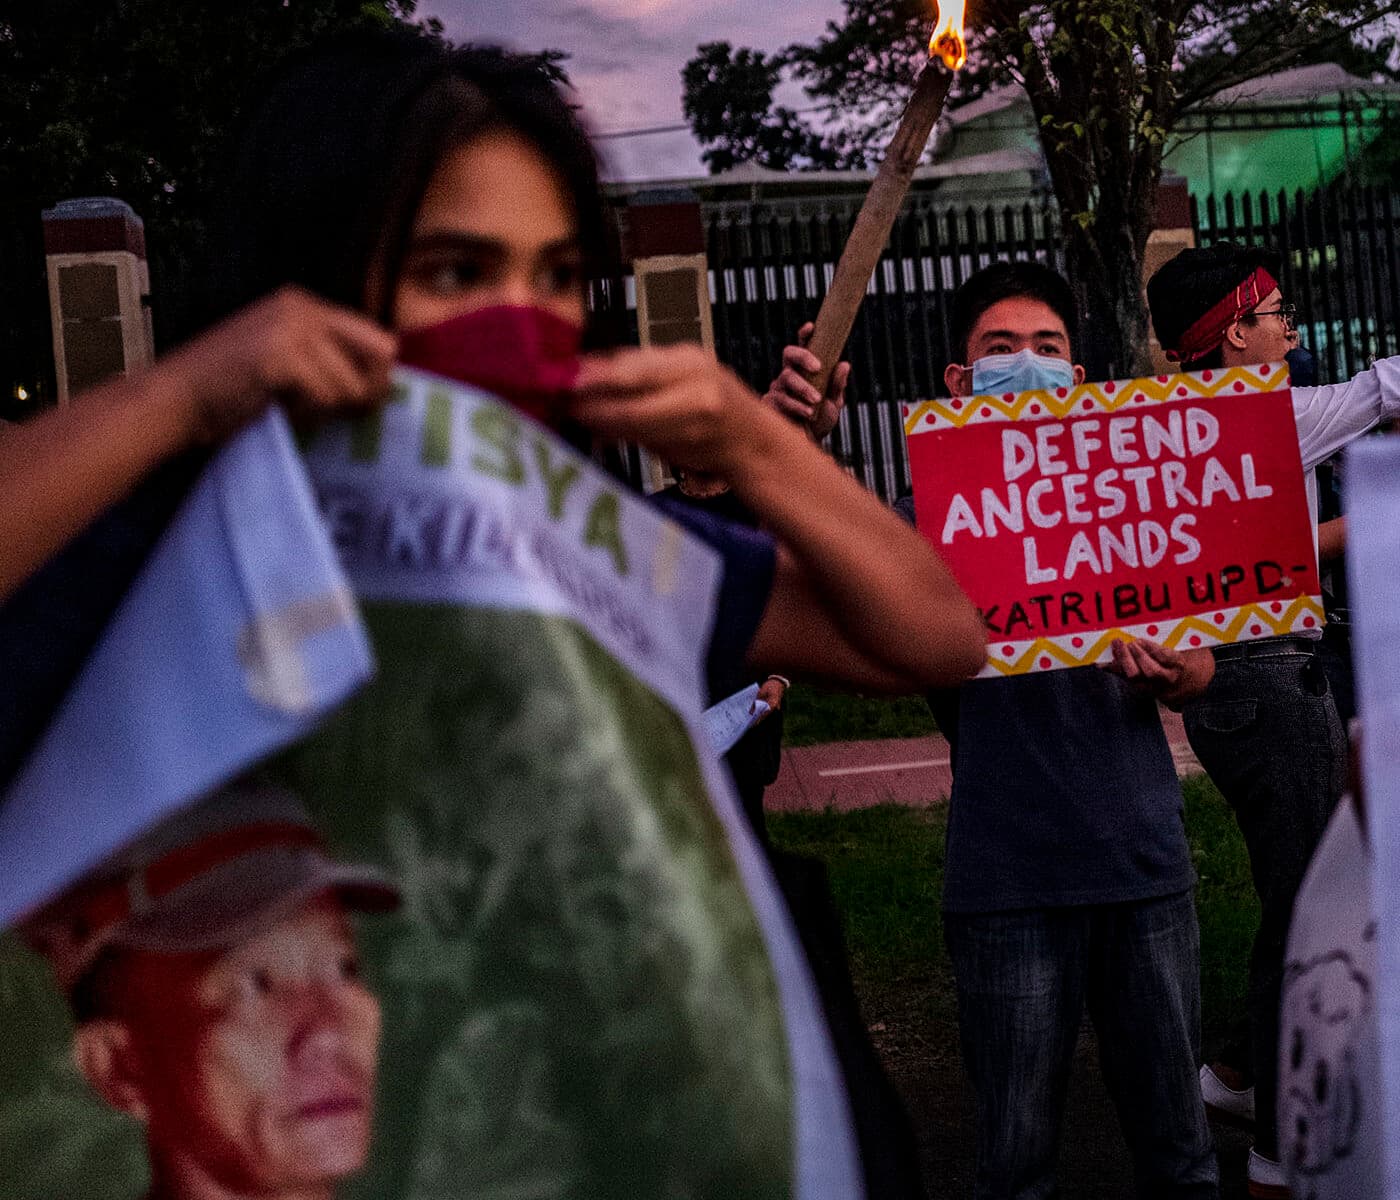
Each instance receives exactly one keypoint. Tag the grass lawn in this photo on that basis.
(814, 716)
(886, 868)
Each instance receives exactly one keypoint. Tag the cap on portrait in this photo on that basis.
(212, 876)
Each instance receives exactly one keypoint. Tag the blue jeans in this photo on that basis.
(1024, 979)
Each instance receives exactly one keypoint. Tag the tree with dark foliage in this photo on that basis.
(728, 102)
(135, 99)
(1108, 81)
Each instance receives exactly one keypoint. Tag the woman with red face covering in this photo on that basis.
(422, 202)
(394, 201)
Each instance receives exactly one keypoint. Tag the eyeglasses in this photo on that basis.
(1287, 313)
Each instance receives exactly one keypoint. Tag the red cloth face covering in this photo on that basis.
(1206, 333)
(525, 355)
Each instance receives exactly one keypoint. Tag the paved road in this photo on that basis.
(912, 771)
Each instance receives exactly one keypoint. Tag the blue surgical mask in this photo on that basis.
(1026, 371)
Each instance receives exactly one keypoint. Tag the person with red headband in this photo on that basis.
(1266, 729)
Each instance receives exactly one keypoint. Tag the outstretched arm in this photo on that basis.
(61, 470)
(1330, 416)
(859, 597)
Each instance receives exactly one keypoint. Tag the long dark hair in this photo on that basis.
(333, 161)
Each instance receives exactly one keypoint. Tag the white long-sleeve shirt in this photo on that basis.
(1331, 416)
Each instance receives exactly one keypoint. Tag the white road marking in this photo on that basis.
(831, 772)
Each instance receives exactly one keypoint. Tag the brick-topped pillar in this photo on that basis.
(664, 239)
(665, 242)
(1171, 235)
(99, 291)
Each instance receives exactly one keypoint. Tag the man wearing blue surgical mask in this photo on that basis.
(1016, 344)
(1068, 877)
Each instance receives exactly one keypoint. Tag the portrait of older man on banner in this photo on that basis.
(213, 977)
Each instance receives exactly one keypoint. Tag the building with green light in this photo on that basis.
(1301, 128)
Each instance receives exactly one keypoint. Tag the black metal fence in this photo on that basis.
(26, 345)
(770, 264)
(1340, 255)
(770, 267)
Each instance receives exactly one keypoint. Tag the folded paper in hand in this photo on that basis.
(728, 721)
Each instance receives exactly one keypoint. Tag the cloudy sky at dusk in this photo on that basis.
(627, 57)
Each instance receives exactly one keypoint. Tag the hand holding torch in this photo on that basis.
(886, 196)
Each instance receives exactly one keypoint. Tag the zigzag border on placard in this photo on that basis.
(932, 416)
(1303, 613)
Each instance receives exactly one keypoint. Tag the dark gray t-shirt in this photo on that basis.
(1064, 793)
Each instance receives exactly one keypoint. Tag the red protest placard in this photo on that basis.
(1170, 508)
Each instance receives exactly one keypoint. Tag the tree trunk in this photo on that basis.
(1105, 268)
(1091, 93)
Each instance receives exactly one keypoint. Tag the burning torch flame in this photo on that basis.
(947, 41)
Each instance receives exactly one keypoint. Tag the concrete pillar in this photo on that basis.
(664, 239)
(99, 292)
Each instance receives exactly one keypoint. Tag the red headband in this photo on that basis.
(1209, 331)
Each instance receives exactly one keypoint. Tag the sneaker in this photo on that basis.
(1267, 1180)
(1233, 1106)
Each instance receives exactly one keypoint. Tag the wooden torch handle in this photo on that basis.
(875, 220)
